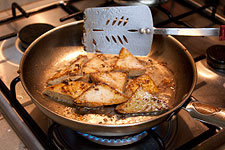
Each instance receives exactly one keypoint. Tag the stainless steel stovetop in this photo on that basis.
(210, 87)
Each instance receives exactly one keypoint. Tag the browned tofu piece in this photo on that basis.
(142, 102)
(70, 73)
(129, 64)
(111, 60)
(100, 95)
(117, 80)
(66, 92)
(85, 78)
(145, 81)
(108, 58)
(95, 64)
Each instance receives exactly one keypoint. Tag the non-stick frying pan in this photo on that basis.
(60, 45)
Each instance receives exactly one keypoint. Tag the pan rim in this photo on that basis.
(170, 112)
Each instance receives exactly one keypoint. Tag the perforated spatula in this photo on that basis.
(108, 29)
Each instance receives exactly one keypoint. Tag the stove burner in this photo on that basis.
(216, 57)
(31, 32)
(11, 51)
(115, 141)
(158, 137)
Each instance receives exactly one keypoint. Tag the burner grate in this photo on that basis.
(159, 137)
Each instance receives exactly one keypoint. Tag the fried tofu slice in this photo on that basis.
(117, 80)
(95, 64)
(66, 92)
(145, 81)
(100, 95)
(129, 64)
(142, 102)
(85, 78)
(70, 73)
(111, 60)
(108, 58)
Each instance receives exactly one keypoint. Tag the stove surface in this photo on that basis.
(210, 87)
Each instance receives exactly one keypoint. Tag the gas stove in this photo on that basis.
(180, 132)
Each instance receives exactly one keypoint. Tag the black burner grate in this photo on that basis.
(157, 138)
(65, 138)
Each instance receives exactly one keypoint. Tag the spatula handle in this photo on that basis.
(188, 31)
(193, 31)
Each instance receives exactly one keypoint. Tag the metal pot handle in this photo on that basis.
(206, 113)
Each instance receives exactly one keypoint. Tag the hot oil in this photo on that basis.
(162, 77)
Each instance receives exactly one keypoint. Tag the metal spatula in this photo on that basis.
(108, 29)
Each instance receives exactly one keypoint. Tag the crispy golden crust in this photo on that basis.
(108, 59)
(100, 95)
(142, 102)
(95, 64)
(129, 64)
(145, 81)
(70, 73)
(85, 78)
(110, 74)
(117, 80)
(66, 92)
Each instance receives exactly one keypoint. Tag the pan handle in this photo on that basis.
(206, 113)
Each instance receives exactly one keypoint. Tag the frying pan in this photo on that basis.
(61, 44)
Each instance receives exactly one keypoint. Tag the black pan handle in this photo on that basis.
(206, 113)
(36, 130)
